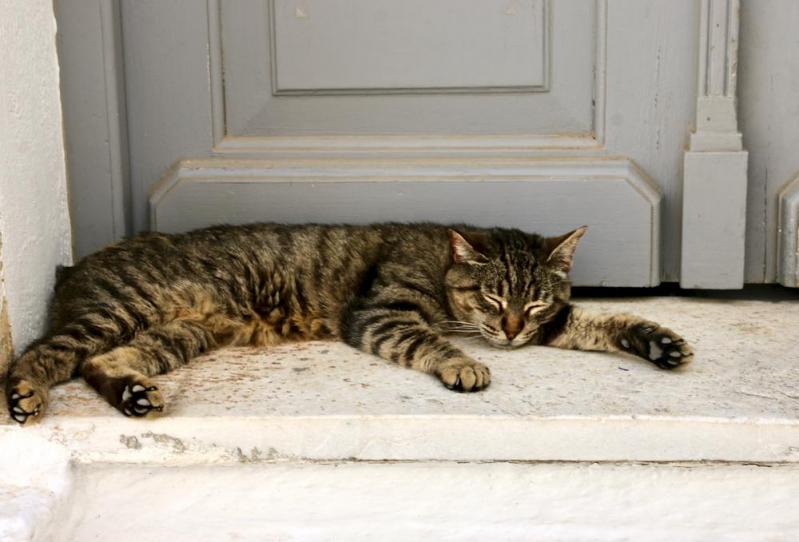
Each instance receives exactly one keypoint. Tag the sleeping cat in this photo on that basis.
(150, 304)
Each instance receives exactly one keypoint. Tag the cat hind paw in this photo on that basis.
(26, 401)
(141, 398)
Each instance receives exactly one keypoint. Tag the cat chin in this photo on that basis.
(507, 345)
(504, 345)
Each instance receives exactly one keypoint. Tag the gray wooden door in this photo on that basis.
(538, 114)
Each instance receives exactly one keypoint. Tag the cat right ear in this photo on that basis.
(561, 250)
(463, 251)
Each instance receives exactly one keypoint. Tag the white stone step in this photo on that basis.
(323, 401)
(739, 401)
(430, 502)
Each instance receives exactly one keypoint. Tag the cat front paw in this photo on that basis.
(658, 344)
(464, 375)
(26, 401)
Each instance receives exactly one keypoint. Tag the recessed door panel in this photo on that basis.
(376, 67)
(363, 46)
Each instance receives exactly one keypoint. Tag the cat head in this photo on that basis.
(506, 283)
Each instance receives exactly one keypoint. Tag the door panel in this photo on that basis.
(414, 95)
(547, 196)
(169, 98)
(769, 112)
(322, 46)
(548, 102)
(394, 67)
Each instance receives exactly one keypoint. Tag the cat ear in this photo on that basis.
(561, 249)
(463, 251)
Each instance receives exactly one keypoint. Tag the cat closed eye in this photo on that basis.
(535, 307)
(497, 303)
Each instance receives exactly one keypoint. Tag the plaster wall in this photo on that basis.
(34, 216)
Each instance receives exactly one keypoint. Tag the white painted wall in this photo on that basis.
(34, 217)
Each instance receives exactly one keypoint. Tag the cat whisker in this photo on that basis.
(457, 323)
(460, 327)
(466, 333)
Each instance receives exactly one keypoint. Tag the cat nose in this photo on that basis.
(512, 325)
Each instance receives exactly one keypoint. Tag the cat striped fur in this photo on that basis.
(150, 304)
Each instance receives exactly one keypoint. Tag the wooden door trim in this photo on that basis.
(499, 144)
(95, 122)
(624, 249)
(715, 164)
(788, 235)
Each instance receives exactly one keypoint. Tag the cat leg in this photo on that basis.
(397, 332)
(576, 329)
(121, 375)
(53, 360)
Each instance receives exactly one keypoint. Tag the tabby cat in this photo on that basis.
(147, 305)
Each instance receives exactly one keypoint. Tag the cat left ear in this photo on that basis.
(561, 249)
(463, 251)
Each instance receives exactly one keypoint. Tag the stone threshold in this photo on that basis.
(738, 402)
(325, 402)
(191, 441)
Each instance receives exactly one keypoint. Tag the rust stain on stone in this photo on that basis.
(130, 441)
(6, 346)
(175, 443)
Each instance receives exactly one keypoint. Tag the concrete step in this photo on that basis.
(426, 501)
(324, 402)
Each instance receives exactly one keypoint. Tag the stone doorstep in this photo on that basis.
(190, 441)
(450, 501)
(738, 401)
(323, 401)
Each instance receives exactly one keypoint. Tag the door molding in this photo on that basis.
(547, 195)
(95, 122)
(788, 236)
(493, 145)
(715, 164)
(322, 90)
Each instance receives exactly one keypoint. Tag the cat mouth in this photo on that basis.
(503, 343)
(499, 340)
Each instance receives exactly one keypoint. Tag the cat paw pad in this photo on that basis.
(26, 403)
(141, 399)
(659, 345)
(465, 376)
